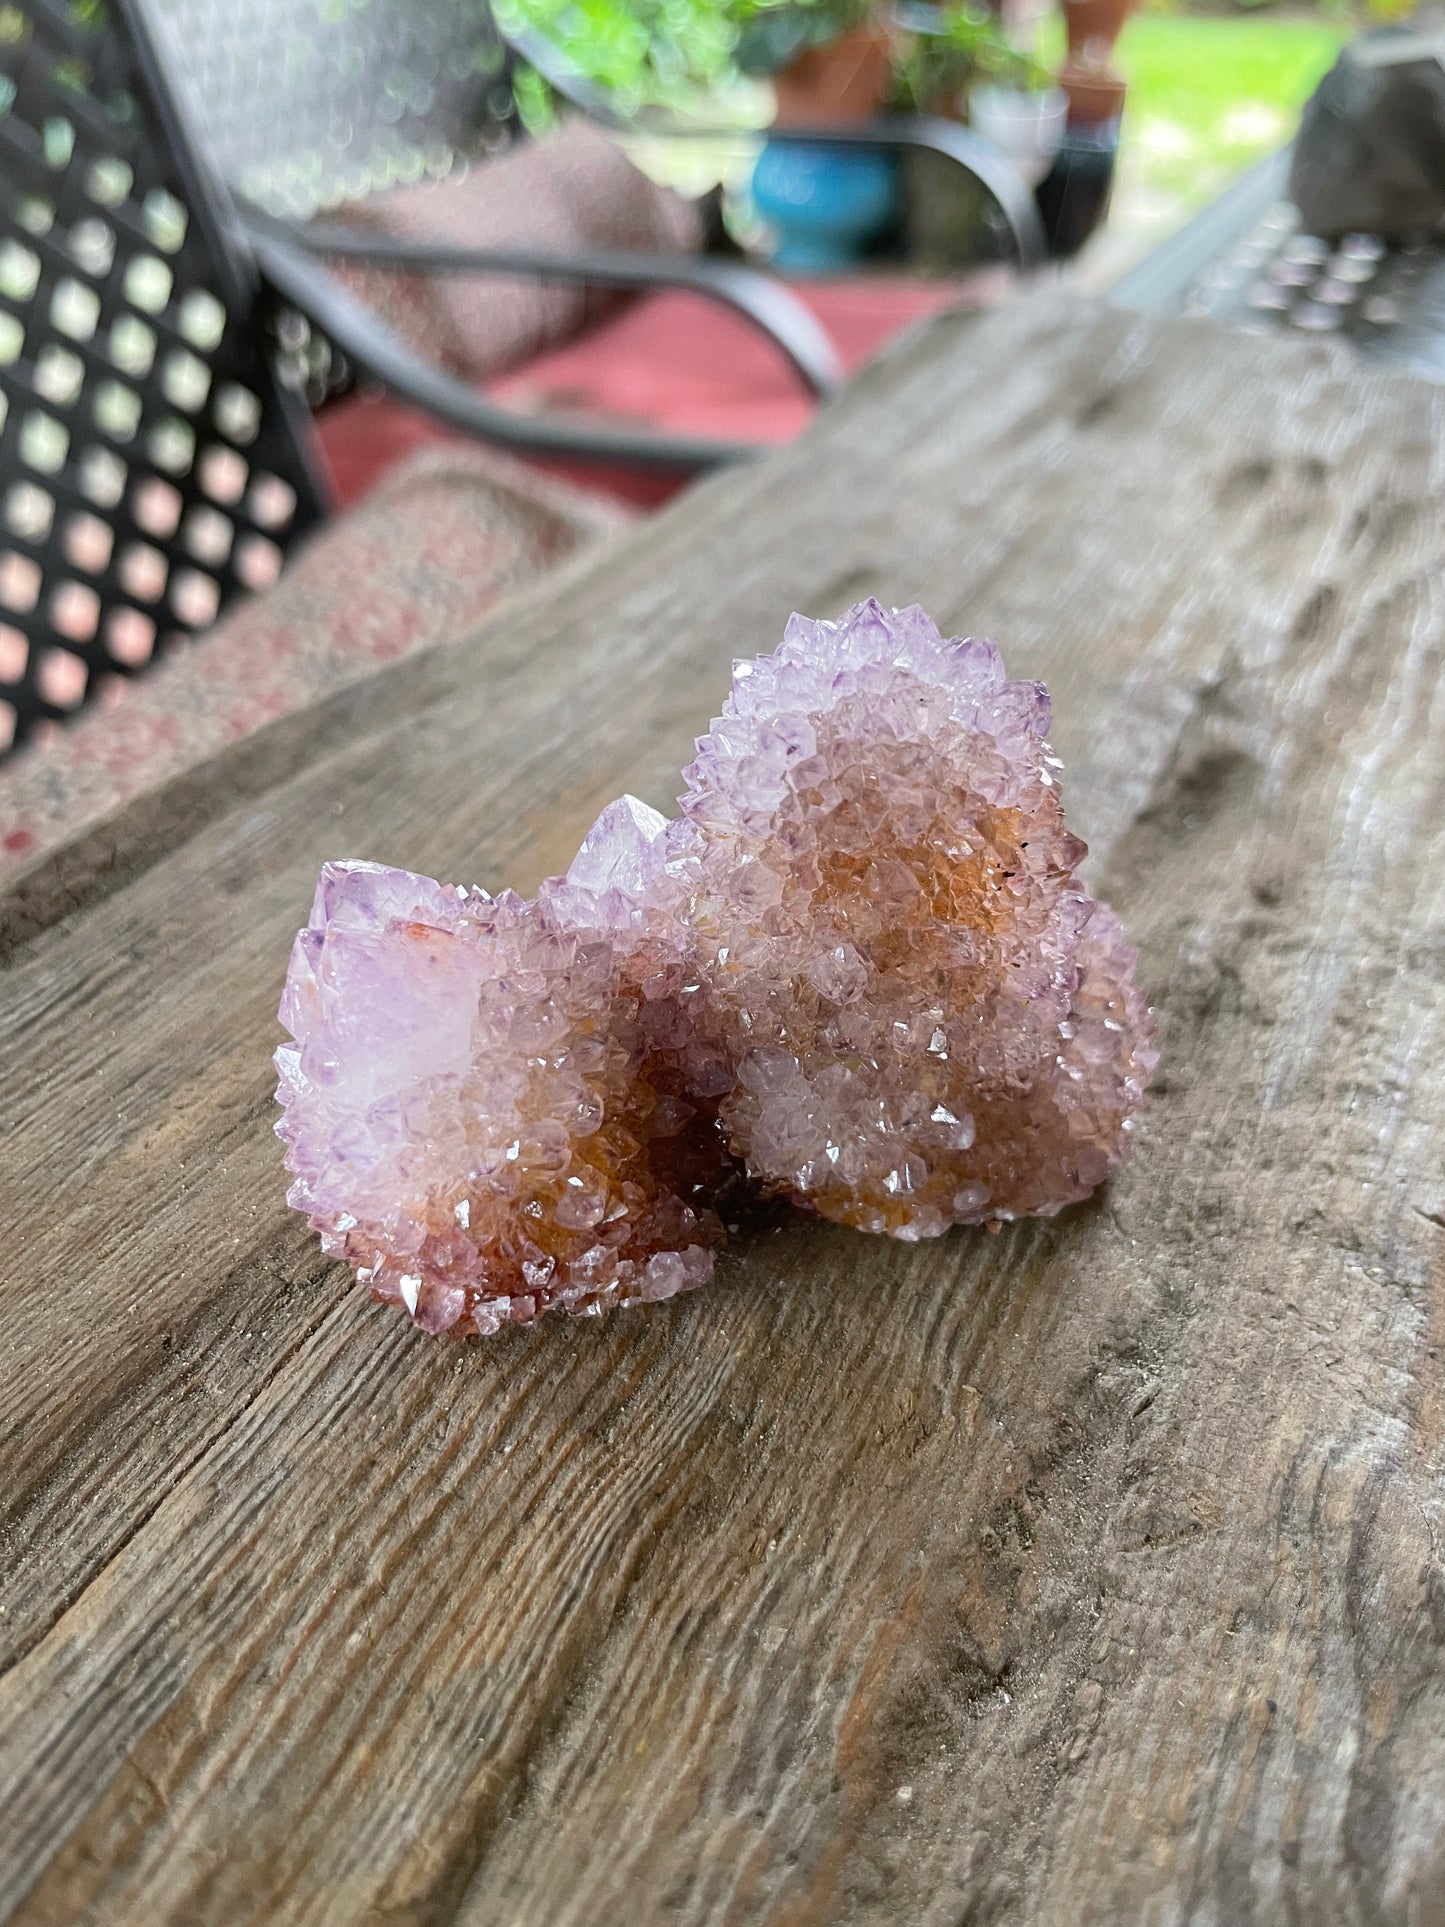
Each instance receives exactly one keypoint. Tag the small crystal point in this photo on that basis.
(622, 849)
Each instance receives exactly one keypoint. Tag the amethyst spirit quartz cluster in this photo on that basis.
(858, 971)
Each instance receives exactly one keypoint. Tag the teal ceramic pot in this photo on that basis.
(824, 203)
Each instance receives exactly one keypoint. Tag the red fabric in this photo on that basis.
(673, 360)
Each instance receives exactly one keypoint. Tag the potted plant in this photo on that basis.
(830, 61)
(956, 59)
(830, 64)
(1095, 91)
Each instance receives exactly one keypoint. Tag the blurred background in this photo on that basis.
(521, 270)
(1212, 85)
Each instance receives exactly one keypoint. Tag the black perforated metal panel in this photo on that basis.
(150, 464)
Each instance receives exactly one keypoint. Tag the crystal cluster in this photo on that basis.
(494, 1106)
(931, 1021)
(858, 971)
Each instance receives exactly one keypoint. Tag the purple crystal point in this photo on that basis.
(618, 879)
(622, 851)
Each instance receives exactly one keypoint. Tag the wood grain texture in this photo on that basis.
(1093, 1572)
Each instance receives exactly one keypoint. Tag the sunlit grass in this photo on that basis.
(1209, 96)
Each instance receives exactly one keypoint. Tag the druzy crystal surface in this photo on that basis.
(486, 1104)
(858, 971)
(930, 1020)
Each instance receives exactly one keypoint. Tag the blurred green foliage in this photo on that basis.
(934, 70)
(640, 50)
(771, 33)
(1207, 91)
(671, 52)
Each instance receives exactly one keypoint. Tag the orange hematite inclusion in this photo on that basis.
(859, 969)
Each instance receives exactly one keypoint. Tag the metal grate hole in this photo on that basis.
(57, 141)
(132, 346)
(223, 475)
(117, 410)
(75, 611)
(130, 637)
(195, 598)
(186, 381)
(8, 724)
(19, 271)
(74, 309)
(238, 412)
(12, 339)
(108, 182)
(120, 105)
(88, 543)
(202, 319)
(258, 562)
(92, 246)
(165, 220)
(29, 511)
(272, 502)
(35, 214)
(102, 477)
(14, 652)
(209, 536)
(70, 74)
(172, 446)
(59, 373)
(143, 572)
(61, 678)
(157, 507)
(147, 284)
(19, 581)
(44, 442)
(293, 330)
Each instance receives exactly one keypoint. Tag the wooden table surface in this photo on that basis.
(1093, 1572)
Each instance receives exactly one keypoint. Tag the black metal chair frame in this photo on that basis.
(292, 262)
(292, 259)
(86, 569)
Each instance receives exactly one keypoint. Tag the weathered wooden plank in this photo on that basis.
(1090, 1572)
